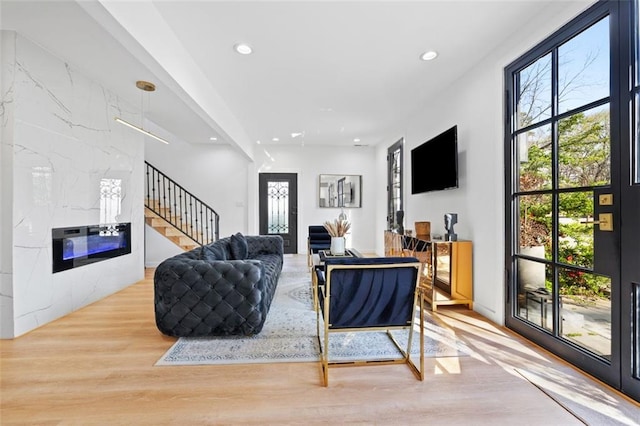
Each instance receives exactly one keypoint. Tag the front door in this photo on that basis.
(278, 207)
(573, 283)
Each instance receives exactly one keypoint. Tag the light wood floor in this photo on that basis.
(96, 366)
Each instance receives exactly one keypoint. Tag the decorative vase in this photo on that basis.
(337, 246)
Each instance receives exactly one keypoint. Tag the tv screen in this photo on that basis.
(434, 164)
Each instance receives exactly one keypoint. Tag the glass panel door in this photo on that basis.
(560, 143)
(563, 153)
(572, 184)
(278, 207)
(395, 213)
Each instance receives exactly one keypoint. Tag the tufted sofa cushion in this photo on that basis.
(213, 252)
(238, 245)
(201, 293)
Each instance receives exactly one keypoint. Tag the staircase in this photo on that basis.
(168, 230)
(176, 213)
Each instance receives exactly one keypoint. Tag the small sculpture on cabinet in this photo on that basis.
(450, 219)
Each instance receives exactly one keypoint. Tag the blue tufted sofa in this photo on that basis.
(223, 288)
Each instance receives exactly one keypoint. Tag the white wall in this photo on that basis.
(475, 104)
(215, 173)
(223, 178)
(311, 161)
(7, 52)
(59, 141)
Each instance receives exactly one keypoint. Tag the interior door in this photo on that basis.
(278, 207)
(395, 213)
(572, 270)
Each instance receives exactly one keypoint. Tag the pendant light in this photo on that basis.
(146, 87)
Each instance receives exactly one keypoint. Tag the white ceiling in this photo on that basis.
(331, 70)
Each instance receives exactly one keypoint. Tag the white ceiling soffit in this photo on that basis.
(321, 72)
(143, 22)
(68, 29)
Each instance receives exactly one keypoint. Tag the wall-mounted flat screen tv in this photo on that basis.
(434, 164)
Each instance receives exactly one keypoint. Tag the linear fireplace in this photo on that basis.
(81, 245)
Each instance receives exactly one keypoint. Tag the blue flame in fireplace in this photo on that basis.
(86, 245)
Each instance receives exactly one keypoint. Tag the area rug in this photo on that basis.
(289, 335)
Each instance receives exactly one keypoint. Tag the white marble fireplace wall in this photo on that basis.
(59, 141)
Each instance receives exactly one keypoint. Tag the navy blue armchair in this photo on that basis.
(319, 239)
(370, 294)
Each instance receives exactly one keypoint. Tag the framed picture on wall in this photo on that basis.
(340, 191)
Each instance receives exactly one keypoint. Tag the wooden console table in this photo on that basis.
(447, 268)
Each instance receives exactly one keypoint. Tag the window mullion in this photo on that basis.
(555, 67)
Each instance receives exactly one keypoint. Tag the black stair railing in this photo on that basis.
(181, 208)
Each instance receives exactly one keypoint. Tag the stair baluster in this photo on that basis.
(181, 211)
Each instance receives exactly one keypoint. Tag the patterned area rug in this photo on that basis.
(290, 335)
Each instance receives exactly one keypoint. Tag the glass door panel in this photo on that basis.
(535, 225)
(585, 309)
(278, 207)
(636, 145)
(535, 293)
(534, 159)
(584, 149)
(534, 96)
(583, 67)
(576, 229)
(395, 213)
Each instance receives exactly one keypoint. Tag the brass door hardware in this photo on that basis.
(605, 220)
(605, 199)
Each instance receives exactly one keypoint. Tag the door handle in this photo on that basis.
(605, 221)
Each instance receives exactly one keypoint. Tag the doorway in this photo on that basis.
(573, 286)
(278, 207)
(395, 212)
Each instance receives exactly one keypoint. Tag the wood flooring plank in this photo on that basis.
(96, 366)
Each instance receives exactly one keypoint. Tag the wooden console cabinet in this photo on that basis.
(447, 268)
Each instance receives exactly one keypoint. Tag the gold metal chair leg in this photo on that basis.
(421, 337)
(324, 354)
(314, 288)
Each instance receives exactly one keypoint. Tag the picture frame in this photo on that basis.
(339, 191)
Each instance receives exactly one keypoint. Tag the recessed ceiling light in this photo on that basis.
(213, 138)
(296, 134)
(427, 56)
(275, 139)
(243, 49)
(258, 142)
(356, 139)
